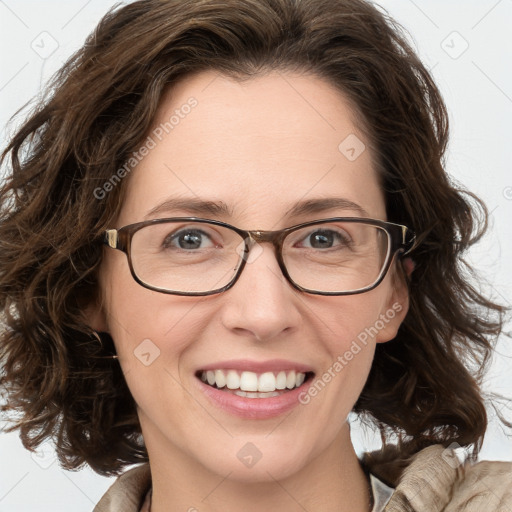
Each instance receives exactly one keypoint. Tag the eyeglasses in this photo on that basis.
(193, 256)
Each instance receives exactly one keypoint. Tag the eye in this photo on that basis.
(326, 239)
(188, 239)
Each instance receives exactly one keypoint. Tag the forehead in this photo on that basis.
(258, 146)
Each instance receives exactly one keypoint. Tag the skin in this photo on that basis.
(265, 144)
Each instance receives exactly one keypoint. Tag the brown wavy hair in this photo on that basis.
(97, 111)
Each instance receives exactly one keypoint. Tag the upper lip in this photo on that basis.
(270, 365)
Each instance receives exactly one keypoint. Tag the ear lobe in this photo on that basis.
(408, 266)
(396, 308)
(95, 317)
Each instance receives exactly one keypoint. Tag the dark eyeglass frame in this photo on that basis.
(401, 237)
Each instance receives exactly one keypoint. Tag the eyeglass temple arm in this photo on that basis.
(408, 240)
(111, 238)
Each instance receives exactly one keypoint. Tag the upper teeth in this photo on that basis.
(250, 381)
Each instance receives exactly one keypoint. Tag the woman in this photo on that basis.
(228, 228)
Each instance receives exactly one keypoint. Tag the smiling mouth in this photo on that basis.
(254, 385)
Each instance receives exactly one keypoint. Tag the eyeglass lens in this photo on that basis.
(198, 257)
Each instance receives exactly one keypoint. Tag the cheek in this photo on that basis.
(149, 328)
(349, 321)
(348, 355)
(349, 332)
(152, 334)
(347, 337)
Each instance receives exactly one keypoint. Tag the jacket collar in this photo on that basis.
(428, 480)
(435, 480)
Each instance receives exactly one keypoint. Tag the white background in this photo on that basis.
(477, 87)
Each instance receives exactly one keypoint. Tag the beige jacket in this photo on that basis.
(430, 481)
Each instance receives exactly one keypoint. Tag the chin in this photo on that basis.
(251, 464)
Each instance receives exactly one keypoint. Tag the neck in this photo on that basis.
(331, 482)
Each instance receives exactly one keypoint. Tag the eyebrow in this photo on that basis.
(324, 204)
(192, 205)
(220, 209)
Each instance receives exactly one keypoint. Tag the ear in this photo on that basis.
(397, 304)
(95, 317)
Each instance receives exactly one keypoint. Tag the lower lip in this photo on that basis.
(254, 408)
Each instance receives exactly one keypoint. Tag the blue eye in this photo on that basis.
(325, 239)
(188, 239)
(321, 239)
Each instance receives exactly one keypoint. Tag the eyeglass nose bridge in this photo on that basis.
(253, 239)
(258, 237)
(263, 236)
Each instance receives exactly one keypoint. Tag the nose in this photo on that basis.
(261, 304)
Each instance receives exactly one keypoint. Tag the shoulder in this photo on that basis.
(486, 485)
(128, 491)
(433, 479)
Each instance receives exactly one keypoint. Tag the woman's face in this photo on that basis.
(257, 149)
